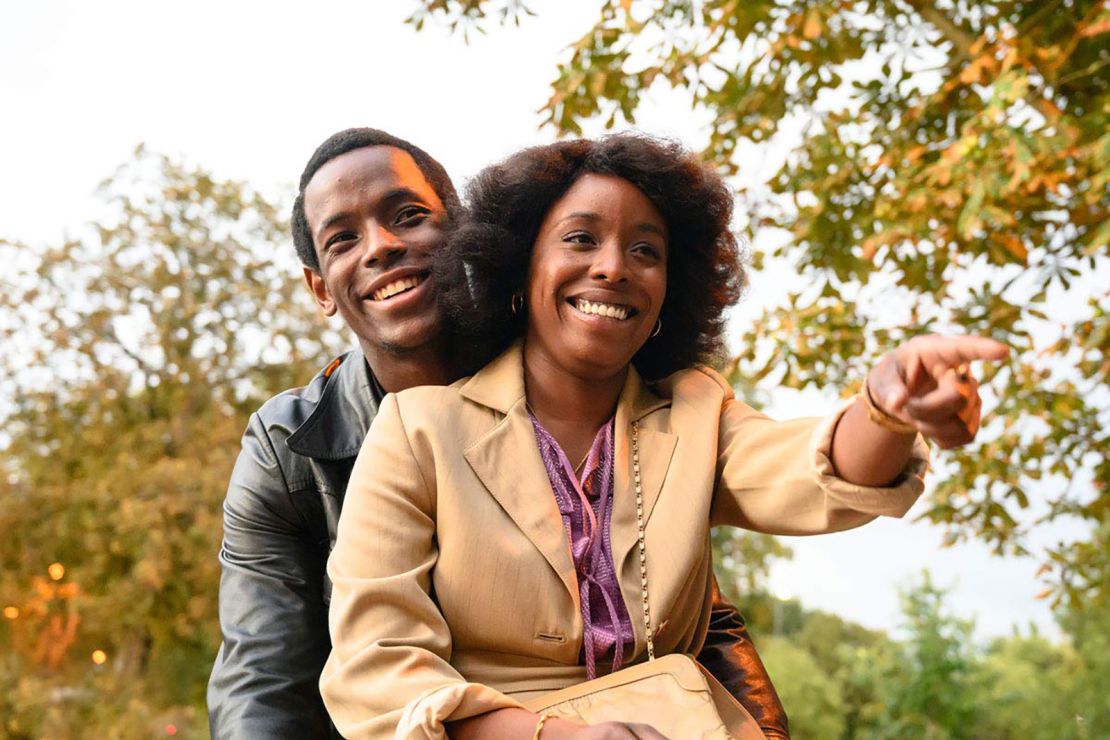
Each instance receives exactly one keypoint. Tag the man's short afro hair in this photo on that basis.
(357, 138)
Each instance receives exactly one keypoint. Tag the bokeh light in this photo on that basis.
(11, 612)
(99, 657)
(56, 571)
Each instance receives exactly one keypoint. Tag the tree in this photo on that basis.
(132, 356)
(932, 691)
(953, 156)
(812, 697)
(1089, 630)
(1030, 689)
(743, 560)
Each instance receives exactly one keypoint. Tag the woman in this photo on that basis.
(485, 553)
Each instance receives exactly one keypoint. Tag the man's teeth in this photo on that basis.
(602, 309)
(397, 286)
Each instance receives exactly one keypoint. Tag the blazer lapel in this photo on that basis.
(507, 461)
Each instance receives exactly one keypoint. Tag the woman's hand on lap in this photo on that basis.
(562, 730)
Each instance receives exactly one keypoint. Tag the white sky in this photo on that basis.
(248, 89)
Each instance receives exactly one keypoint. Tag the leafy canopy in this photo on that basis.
(946, 168)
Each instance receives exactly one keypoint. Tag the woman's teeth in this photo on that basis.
(397, 286)
(620, 313)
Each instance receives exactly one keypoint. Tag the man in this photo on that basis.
(370, 210)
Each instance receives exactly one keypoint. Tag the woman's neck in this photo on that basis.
(570, 408)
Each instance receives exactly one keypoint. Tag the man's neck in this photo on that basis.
(397, 370)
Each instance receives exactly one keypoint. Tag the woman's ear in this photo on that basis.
(319, 289)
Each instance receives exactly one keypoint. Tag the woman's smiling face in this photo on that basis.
(597, 278)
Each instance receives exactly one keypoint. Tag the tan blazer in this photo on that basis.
(453, 587)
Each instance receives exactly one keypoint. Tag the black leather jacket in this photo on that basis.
(280, 518)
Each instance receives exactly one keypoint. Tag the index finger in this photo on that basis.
(978, 348)
(938, 354)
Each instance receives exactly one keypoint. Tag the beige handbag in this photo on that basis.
(673, 694)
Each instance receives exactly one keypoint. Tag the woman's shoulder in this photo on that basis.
(435, 406)
(419, 397)
(698, 382)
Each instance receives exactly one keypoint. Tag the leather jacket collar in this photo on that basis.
(347, 398)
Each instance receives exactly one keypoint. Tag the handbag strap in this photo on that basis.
(640, 538)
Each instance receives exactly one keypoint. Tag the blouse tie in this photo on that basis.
(586, 507)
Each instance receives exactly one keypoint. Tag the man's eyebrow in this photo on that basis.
(331, 221)
(402, 193)
(392, 196)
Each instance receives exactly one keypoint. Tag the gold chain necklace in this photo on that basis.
(640, 538)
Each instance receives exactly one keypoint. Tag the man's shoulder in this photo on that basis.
(268, 468)
(286, 411)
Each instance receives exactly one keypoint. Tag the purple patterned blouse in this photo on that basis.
(586, 505)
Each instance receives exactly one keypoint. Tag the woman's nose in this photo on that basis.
(609, 264)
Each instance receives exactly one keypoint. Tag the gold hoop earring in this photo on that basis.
(516, 304)
(658, 328)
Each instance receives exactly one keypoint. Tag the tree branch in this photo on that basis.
(1043, 12)
(960, 40)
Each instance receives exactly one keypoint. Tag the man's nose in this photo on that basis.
(610, 263)
(382, 246)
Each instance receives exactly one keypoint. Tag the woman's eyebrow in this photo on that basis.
(586, 215)
(645, 227)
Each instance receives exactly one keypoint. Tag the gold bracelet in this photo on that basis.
(539, 726)
(882, 418)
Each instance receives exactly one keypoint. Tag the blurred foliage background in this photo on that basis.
(946, 168)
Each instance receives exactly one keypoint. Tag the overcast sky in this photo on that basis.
(248, 89)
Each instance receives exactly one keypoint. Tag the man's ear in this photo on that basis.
(315, 282)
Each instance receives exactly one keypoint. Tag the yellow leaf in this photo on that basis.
(916, 152)
(870, 247)
(1014, 246)
(812, 28)
(1095, 29)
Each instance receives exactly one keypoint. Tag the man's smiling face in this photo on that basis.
(374, 220)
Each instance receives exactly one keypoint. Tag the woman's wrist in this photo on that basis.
(555, 728)
(876, 414)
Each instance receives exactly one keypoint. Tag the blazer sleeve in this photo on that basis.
(272, 614)
(389, 673)
(777, 477)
